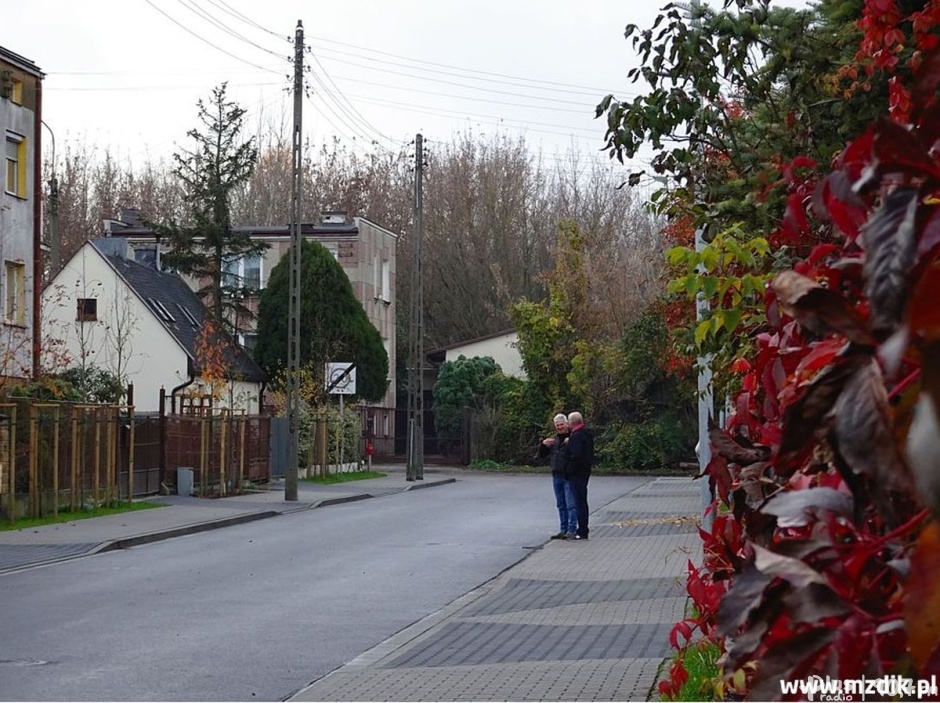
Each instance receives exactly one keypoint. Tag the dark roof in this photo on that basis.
(176, 306)
(307, 229)
(20, 62)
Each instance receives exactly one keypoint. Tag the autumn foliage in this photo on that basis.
(823, 553)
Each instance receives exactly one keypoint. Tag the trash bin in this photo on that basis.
(184, 481)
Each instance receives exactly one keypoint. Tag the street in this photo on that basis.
(256, 611)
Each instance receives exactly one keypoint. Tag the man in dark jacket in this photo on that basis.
(579, 460)
(564, 499)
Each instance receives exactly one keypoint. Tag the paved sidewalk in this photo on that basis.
(575, 621)
(183, 515)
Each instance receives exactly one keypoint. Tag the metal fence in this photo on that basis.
(223, 449)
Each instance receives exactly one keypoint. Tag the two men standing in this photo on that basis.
(572, 456)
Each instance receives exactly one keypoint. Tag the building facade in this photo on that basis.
(365, 250)
(20, 215)
(145, 326)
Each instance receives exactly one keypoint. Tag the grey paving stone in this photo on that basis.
(643, 611)
(607, 680)
(528, 594)
(612, 531)
(463, 643)
(16, 555)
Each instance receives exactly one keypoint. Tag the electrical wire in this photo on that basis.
(206, 41)
(364, 121)
(208, 17)
(459, 68)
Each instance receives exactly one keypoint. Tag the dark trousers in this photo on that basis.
(579, 487)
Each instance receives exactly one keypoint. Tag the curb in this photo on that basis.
(194, 528)
(148, 537)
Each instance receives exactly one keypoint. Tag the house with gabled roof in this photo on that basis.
(105, 309)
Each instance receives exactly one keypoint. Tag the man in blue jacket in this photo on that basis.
(579, 460)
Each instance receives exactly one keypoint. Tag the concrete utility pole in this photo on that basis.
(293, 341)
(705, 398)
(415, 465)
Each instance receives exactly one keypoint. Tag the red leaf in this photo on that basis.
(817, 309)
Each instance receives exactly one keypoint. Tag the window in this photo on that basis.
(87, 310)
(15, 293)
(189, 316)
(161, 310)
(17, 93)
(375, 277)
(248, 340)
(386, 283)
(242, 272)
(15, 153)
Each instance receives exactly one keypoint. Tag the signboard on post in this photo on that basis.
(341, 378)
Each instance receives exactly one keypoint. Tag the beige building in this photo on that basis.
(20, 214)
(365, 250)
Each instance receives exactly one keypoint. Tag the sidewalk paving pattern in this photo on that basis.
(574, 620)
(586, 621)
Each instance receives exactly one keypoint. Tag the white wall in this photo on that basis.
(152, 358)
(503, 349)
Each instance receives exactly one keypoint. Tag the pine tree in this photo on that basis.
(219, 163)
(334, 326)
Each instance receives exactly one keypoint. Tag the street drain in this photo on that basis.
(22, 662)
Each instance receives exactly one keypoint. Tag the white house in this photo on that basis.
(106, 310)
(503, 347)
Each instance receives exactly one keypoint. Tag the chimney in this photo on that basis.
(333, 217)
(130, 216)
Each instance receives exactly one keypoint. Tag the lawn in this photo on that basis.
(69, 516)
(345, 477)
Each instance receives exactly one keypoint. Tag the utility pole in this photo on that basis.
(705, 398)
(415, 464)
(293, 341)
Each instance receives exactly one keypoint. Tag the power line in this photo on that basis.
(206, 41)
(552, 88)
(208, 17)
(142, 87)
(460, 85)
(352, 107)
(225, 7)
(586, 109)
(459, 68)
(441, 112)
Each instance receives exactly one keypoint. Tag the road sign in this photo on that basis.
(342, 376)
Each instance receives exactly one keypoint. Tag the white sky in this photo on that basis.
(122, 73)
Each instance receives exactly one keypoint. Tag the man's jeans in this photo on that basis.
(578, 488)
(564, 500)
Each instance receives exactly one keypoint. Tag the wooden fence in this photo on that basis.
(66, 456)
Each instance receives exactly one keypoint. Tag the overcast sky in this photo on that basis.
(127, 73)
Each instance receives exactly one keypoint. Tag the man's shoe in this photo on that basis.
(571, 535)
(584, 537)
(560, 535)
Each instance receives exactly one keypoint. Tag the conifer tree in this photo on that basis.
(219, 162)
(334, 326)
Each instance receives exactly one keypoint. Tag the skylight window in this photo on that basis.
(189, 316)
(161, 310)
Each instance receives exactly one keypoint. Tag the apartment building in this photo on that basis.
(20, 215)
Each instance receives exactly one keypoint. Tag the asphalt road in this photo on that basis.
(257, 611)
